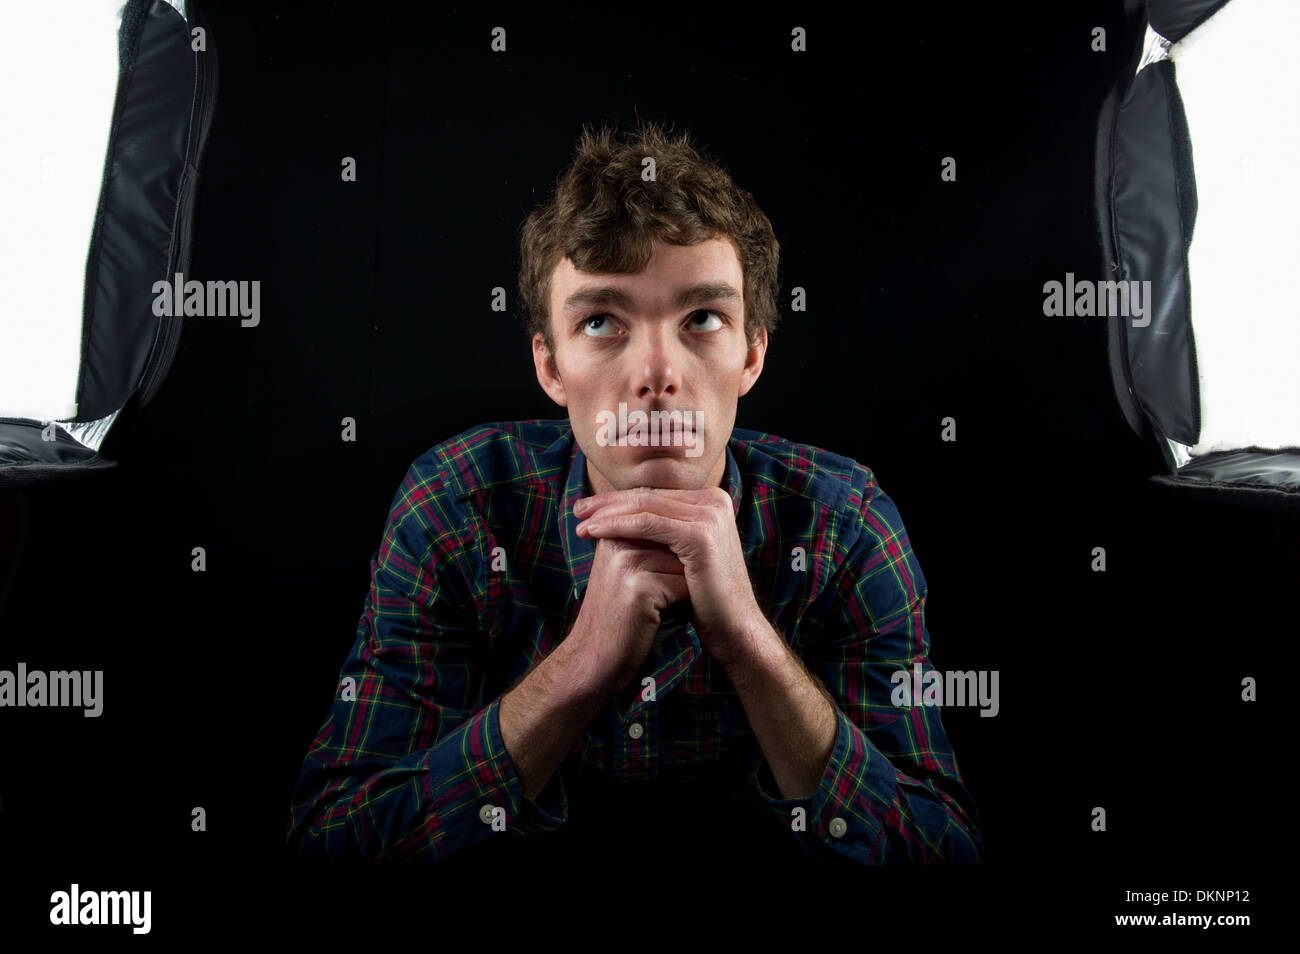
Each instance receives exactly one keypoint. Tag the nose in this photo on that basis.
(655, 374)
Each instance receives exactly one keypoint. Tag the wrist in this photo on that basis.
(758, 655)
(576, 678)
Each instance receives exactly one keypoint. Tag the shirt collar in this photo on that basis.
(579, 551)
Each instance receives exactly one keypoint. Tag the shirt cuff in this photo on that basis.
(832, 826)
(526, 816)
(472, 792)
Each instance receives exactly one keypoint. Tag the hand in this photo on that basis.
(699, 528)
(631, 583)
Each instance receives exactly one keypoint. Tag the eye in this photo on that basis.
(712, 314)
(597, 333)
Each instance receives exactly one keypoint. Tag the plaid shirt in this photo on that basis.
(480, 574)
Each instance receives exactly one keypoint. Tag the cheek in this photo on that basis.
(580, 409)
(582, 415)
(590, 389)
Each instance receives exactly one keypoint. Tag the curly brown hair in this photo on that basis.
(605, 217)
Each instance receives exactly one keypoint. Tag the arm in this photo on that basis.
(630, 586)
(792, 716)
(543, 716)
(403, 767)
(878, 783)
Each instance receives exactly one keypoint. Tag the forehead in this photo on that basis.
(671, 269)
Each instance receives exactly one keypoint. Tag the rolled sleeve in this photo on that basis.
(410, 764)
(857, 812)
(465, 782)
(525, 816)
(891, 790)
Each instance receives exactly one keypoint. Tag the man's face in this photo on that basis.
(669, 338)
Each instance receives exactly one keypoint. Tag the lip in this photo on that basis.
(667, 449)
(686, 417)
(674, 427)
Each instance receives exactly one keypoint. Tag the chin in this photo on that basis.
(666, 472)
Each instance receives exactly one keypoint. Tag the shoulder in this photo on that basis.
(444, 488)
(820, 476)
(502, 454)
(837, 497)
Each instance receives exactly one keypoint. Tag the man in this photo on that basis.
(572, 624)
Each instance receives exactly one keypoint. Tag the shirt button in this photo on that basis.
(838, 827)
(487, 813)
(635, 730)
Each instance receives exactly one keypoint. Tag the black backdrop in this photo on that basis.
(1118, 689)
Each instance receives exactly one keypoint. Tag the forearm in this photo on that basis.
(792, 717)
(906, 802)
(357, 800)
(544, 714)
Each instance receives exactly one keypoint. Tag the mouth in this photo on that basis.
(651, 429)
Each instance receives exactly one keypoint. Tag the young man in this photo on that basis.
(685, 633)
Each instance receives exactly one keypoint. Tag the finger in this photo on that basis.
(656, 561)
(643, 498)
(677, 590)
(638, 549)
(642, 525)
(631, 543)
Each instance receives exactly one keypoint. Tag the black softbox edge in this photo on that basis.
(126, 353)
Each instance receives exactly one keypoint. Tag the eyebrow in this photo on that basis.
(603, 295)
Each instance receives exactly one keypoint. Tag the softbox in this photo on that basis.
(107, 107)
(1196, 195)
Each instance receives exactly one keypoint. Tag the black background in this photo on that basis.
(1118, 689)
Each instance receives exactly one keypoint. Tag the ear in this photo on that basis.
(753, 363)
(548, 376)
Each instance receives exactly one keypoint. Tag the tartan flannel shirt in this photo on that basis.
(480, 574)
